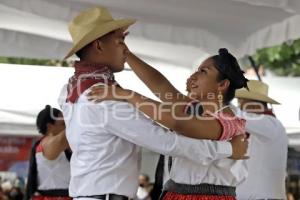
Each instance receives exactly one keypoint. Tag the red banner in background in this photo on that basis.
(14, 154)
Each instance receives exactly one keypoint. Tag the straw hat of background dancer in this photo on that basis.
(257, 91)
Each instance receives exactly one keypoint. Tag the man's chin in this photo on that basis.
(118, 68)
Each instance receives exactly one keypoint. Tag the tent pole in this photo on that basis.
(255, 67)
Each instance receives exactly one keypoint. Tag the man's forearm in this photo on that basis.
(143, 132)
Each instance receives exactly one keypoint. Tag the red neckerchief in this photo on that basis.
(87, 74)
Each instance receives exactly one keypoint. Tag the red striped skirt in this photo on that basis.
(50, 198)
(177, 196)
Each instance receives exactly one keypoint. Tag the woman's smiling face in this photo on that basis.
(204, 80)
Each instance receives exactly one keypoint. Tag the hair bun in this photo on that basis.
(223, 51)
(47, 108)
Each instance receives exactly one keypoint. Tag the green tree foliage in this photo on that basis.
(283, 60)
(29, 61)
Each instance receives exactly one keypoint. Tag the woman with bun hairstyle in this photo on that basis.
(203, 114)
(49, 170)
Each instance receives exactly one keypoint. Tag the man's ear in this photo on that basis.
(224, 85)
(98, 45)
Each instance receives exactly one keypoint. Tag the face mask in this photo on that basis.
(13, 193)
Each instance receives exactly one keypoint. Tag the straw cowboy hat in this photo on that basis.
(257, 91)
(92, 24)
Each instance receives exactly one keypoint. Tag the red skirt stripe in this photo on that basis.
(176, 196)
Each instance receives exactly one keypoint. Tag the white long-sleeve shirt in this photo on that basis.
(105, 140)
(268, 157)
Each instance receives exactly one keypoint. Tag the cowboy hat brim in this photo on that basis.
(99, 32)
(244, 94)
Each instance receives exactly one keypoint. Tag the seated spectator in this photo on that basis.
(144, 188)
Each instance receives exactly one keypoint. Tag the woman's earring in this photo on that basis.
(220, 99)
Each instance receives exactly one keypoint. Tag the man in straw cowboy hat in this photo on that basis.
(104, 136)
(268, 145)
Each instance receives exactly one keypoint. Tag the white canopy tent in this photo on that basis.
(38, 28)
(171, 34)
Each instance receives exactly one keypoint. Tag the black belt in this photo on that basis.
(109, 196)
(54, 192)
(269, 199)
(205, 189)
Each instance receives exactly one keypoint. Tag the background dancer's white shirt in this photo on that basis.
(52, 174)
(268, 158)
(104, 139)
